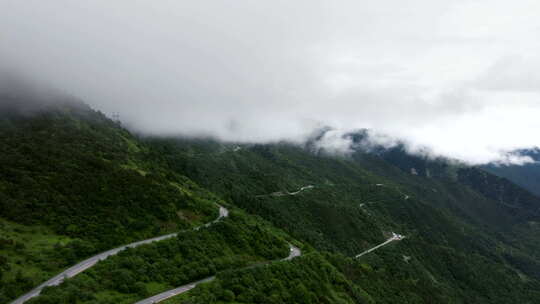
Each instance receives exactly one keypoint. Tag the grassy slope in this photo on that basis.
(27, 252)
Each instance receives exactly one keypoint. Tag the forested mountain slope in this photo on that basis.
(460, 234)
(512, 203)
(235, 242)
(85, 185)
(73, 182)
(526, 175)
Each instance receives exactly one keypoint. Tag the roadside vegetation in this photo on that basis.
(73, 183)
(309, 279)
(137, 273)
(459, 234)
(30, 254)
(81, 184)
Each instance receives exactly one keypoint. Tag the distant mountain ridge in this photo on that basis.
(526, 175)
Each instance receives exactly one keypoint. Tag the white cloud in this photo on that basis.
(460, 77)
(512, 73)
(334, 142)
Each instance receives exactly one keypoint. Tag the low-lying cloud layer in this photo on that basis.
(459, 77)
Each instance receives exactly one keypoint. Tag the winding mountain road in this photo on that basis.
(395, 237)
(294, 252)
(285, 193)
(82, 266)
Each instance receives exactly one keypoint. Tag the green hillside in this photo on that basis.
(85, 185)
(74, 183)
(137, 273)
(461, 234)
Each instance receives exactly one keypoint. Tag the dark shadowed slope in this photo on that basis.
(527, 175)
(357, 201)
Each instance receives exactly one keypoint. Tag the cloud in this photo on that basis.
(334, 142)
(512, 73)
(514, 159)
(19, 94)
(458, 77)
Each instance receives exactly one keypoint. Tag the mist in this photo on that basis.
(460, 79)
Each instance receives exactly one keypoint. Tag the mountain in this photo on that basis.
(526, 175)
(74, 183)
(480, 225)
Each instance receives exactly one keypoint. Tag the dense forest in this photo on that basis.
(137, 273)
(310, 279)
(73, 183)
(86, 185)
(80, 174)
(448, 215)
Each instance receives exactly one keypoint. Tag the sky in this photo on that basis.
(458, 78)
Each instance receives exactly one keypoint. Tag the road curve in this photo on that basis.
(394, 237)
(285, 193)
(294, 252)
(82, 266)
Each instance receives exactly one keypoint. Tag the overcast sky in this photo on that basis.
(460, 77)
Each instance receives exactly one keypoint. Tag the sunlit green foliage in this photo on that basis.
(233, 243)
(72, 170)
(87, 184)
(306, 280)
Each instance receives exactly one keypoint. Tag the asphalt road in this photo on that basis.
(281, 193)
(174, 292)
(294, 252)
(82, 266)
(395, 237)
